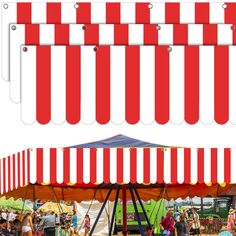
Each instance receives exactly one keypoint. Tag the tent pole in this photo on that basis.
(26, 193)
(114, 211)
(143, 209)
(124, 202)
(136, 211)
(58, 203)
(100, 212)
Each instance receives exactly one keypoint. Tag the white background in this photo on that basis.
(15, 136)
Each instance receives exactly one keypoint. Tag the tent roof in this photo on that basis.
(117, 141)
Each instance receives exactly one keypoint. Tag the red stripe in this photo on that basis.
(23, 166)
(142, 13)
(73, 84)
(14, 171)
(202, 13)
(191, 84)
(91, 34)
(19, 169)
(4, 179)
(1, 175)
(103, 84)
(24, 13)
(43, 84)
(150, 34)
(233, 28)
(210, 33)
(80, 172)
(93, 165)
(187, 165)
(66, 167)
(121, 34)
(106, 165)
(172, 13)
(230, 13)
(132, 85)
(160, 165)
(32, 34)
(9, 174)
(227, 165)
(112, 13)
(133, 165)
(161, 85)
(119, 161)
(146, 163)
(53, 165)
(173, 165)
(62, 34)
(28, 163)
(83, 13)
(221, 84)
(180, 34)
(39, 175)
(200, 165)
(214, 165)
(53, 13)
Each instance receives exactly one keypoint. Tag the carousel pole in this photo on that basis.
(114, 210)
(124, 201)
(136, 211)
(100, 212)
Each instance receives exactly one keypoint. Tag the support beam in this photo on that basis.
(124, 202)
(136, 211)
(100, 212)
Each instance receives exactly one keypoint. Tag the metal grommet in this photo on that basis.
(25, 49)
(224, 5)
(84, 27)
(5, 6)
(169, 49)
(95, 49)
(76, 6)
(150, 6)
(13, 27)
(158, 27)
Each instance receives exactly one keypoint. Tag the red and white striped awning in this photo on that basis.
(111, 13)
(109, 34)
(70, 166)
(128, 84)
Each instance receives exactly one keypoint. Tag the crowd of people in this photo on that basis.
(38, 224)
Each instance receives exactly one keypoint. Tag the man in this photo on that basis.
(49, 224)
(195, 222)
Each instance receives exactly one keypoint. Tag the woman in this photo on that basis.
(168, 223)
(181, 226)
(195, 222)
(86, 225)
(230, 221)
(27, 225)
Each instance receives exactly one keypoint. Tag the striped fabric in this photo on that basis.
(117, 165)
(128, 84)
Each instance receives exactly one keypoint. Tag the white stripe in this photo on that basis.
(33, 167)
(180, 165)
(99, 167)
(17, 38)
(220, 165)
(232, 165)
(195, 34)
(207, 165)
(76, 34)
(157, 13)
(177, 84)
(167, 165)
(6, 175)
(117, 80)
(232, 84)
(106, 34)
(187, 13)
(126, 165)
(153, 165)
(98, 13)
(16, 171)
(225, 34)
(47, 34)
(216, 12)
(86, 165)
(113, 165)
(21, 169)
(60, 166)
(165, 35)
(88, 84)
(68, 13)
(26, 167)
(194, 165)
(206, 84)
(140, 165)
(136, 34)
(147, 84)
(1, 175)
(73, 165)
(39, 12)
(127, 13)
(46, 165)
(11, 169)
(58, 84)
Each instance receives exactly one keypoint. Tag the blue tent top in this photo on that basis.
(117, 141)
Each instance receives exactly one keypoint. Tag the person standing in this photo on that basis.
(75, 223)
(168, 223)
(195, 222)
(49, 224)
(86, 225)
(181, 226)
(230, 221)
(27, 225)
